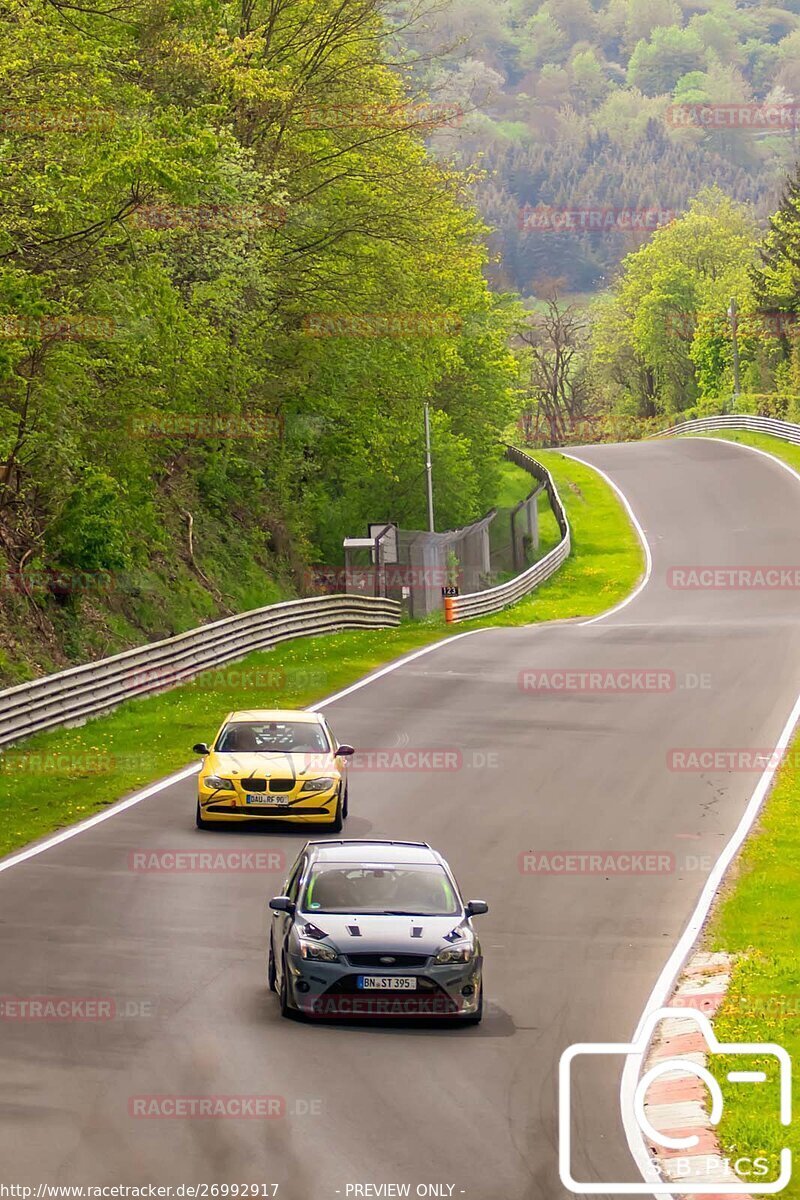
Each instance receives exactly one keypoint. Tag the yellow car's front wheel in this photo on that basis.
(337, 824)
(199, 821)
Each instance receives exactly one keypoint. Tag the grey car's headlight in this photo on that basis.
(318, 952)
(456, 954)
(219, 785)
(323, 784)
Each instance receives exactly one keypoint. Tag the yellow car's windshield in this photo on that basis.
(273, 737)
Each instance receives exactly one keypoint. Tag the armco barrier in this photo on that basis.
(781, 429)
(476, 604)
(80, 692)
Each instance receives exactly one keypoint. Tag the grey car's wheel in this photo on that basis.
(271, 976)
(198, 819)
(286, 1008)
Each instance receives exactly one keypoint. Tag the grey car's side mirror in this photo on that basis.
(475, 908)
(282, 904)
(344, 750)
(201, 748)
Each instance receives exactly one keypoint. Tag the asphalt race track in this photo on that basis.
(569, 957)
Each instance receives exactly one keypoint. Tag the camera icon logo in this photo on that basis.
(636, 1115)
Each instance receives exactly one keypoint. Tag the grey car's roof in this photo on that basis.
(372, 850)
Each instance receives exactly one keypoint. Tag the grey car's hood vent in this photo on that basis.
(310, 930)
(390, 934)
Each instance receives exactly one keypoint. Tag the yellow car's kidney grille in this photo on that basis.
(254, 785)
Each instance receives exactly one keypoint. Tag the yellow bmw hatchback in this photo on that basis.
(273, 765)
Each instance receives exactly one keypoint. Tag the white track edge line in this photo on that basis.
(634, 520)
(39, 847)
(64, 835)
(57, 838)
(660, 994)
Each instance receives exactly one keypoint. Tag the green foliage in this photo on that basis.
(573, 106)
(662, 339)
(189, 194)
(656, 65)
(90, 533)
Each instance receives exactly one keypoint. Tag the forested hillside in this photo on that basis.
(587, 105)
(198, 198)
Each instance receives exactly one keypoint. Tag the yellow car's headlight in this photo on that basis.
(323, 784)
(218, 785)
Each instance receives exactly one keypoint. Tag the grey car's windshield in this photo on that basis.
(420, 890)
(273, 737)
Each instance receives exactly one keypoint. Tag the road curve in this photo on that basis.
(569, 957)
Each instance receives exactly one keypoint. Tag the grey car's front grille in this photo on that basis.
(388, 961)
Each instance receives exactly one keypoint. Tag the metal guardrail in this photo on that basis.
(781, 429)
(476, 604)
(71, 696)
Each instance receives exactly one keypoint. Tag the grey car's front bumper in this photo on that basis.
(320, 989)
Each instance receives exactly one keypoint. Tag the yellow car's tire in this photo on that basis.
(198, 818)
(337, 825)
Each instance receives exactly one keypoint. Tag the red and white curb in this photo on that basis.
(675, 1102)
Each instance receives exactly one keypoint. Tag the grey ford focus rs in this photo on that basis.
(375, 929)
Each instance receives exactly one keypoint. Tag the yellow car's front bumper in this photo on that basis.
(318, 808)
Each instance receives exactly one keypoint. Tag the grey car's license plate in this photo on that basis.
(268, 801)
(388, 983)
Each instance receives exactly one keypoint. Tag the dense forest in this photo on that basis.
(230, 275)
(240, 250)
(604, 105)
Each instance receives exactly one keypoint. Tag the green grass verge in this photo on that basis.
(758, 921)
(54, 779)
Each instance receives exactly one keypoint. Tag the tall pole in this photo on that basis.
(735, 342)
(428, 468)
